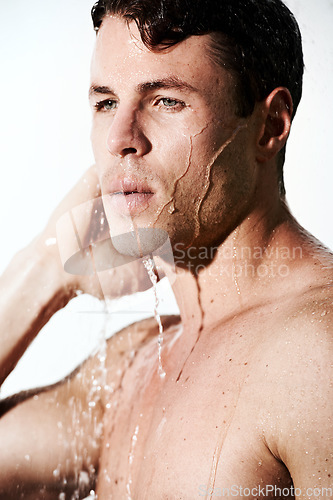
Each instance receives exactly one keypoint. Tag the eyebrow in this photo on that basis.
(99, 89)
(169, 83)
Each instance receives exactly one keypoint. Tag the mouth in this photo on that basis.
(129, 193)
(135, 201)
(129, 197)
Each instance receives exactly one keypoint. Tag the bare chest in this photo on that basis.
(194, 433)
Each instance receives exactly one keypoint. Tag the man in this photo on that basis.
(192, 106)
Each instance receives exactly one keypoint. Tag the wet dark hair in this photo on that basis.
(258, 41)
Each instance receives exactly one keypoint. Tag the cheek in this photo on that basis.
(171, 155)
(224, 175)
(176, 136)
(231, 188)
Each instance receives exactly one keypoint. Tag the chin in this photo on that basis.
(140, 242)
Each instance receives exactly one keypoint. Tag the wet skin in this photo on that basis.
(248, 391)
(163, 120)
(203, 430)
(215, 420)
(247, 396)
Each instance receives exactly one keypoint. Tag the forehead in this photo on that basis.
(121, 57)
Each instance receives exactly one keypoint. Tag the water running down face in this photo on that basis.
(170, 150)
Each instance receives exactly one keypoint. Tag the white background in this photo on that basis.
(45, 54)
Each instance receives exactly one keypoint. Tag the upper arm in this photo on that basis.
(306, 445)
(303, 409)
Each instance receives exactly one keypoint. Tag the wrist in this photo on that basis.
(41, 269)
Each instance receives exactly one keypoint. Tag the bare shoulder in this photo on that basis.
(124, 346)
(135, 335)
(121, 349)
(306, 321)
(301, 335)
(302, 326)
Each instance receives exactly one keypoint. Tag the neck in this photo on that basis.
(237, 275)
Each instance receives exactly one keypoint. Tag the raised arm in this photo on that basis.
(32, 289)
(35, 285)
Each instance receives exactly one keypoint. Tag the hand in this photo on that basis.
(86, 189)
(78, 232)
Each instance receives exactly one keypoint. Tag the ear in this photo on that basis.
(276, 113)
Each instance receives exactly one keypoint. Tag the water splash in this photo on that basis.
(130, 461)
(150, 266)
(83, 415)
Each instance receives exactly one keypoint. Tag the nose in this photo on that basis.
(126, 135)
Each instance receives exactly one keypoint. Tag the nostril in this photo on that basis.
(124, 152)
(128, 151)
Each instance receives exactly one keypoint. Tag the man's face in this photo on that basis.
(170, 151)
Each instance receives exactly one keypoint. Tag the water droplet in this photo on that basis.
(130, 461)
(56, 472)
(50, 242)
(83, 478)
(172, 208)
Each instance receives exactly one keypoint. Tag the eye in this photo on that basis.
(169, 104)
(106, 105)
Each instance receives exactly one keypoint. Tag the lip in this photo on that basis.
(128, 196)
(128, 185)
